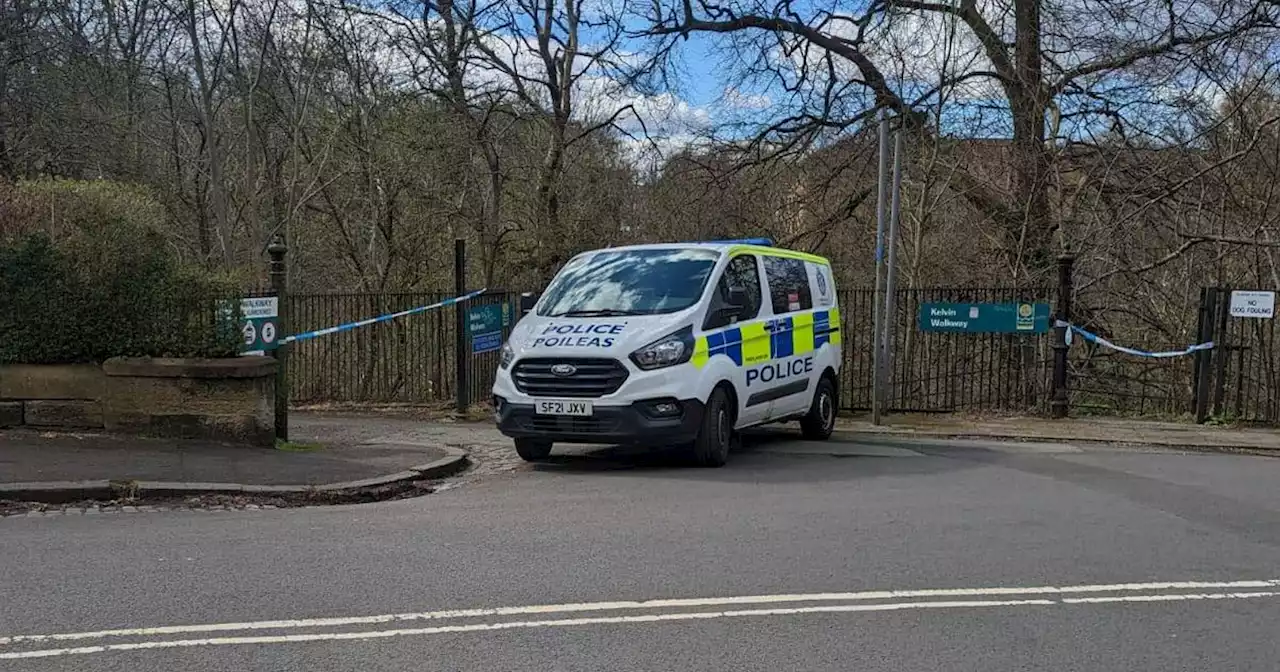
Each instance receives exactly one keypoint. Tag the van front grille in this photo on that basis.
(568, 377)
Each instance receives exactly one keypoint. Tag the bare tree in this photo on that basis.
(1041, 65)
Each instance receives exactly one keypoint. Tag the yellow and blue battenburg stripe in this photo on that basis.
(775, 338)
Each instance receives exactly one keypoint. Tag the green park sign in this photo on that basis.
(485, 324)
(259, 320)
(985, 318)
(259, 316)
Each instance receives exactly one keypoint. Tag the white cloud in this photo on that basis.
(736, 98)
(655, 123)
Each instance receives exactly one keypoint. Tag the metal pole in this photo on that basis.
(1197, 360)
(1206, 356)
(1060, 402)
(278, 272)
(890, 313)
(460, 352)
(1221, 351)
(877, 325)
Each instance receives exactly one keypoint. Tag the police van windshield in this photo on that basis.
(629, 282)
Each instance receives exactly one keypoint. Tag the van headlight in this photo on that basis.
(669, 350)
(506, 356)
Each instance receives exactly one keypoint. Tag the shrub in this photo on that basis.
(108, 291)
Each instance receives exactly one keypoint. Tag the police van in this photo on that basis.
(673, 344)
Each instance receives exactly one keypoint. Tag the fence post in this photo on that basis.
(1204, 359)
(877, 320)
(1220, 352)
(278, 271)
(1061, 401)
(460, 352)
(1197, 361)
(890, 299)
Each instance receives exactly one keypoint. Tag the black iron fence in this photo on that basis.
(412, 359)
(1239, 379)
(1111, 383)
(1248, 372)
(932, 371)
(407, 360)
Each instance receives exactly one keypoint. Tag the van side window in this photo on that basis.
(788, 285)
(740, 272)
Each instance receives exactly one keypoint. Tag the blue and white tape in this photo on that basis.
(1094, 338)
(381, 318)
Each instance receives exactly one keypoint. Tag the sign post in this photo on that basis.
(463, 392)
(279, 274)
(878, 317)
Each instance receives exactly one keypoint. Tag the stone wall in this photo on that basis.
(66, 396)
(220, 399)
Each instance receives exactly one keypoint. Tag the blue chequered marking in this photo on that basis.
(727, 343)
(781, 343)
(821, 328)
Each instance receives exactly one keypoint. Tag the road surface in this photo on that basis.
(797, 556)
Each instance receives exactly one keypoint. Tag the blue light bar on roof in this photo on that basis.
(764, 242)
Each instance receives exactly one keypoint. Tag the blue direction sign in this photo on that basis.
(985, 318)
(484, 324)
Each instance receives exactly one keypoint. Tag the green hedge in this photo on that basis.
(110, 291)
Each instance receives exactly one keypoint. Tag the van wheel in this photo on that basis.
(532, 450)
(820, 421)
(711, 449)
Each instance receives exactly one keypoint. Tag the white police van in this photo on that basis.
(673, 344)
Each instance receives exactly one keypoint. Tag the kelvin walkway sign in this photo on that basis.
(985, 318)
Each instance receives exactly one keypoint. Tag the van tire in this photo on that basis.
(820, 421)
(533, 450)
(715, 437)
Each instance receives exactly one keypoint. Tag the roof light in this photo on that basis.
(764, 242)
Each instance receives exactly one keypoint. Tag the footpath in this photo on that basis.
(340, 457)
(326, 454)
(1117, 431)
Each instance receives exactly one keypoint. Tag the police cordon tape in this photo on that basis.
(381, 318)
(1094, 338)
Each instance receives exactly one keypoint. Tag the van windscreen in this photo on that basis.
(629, 282)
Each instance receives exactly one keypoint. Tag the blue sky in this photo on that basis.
(913, 53)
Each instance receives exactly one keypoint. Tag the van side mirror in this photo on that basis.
(737, 299)
(733, 308)
(735, 305)
(527, 301)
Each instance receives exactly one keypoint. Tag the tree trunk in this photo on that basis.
(549, 205)
(1031, 223)
(491, 212)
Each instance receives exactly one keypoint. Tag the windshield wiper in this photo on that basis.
(603, 312)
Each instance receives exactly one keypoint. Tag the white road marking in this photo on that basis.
(604, 620)
(510, 625)
(1167, 598)
(1065, 595)
(678, 603)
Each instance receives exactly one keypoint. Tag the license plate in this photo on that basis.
(555, 407)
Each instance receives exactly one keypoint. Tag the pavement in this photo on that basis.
(325, 452)
(922, 554)
(336, 450)
(1098, 430)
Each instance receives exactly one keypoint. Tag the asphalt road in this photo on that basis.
(797, 556)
